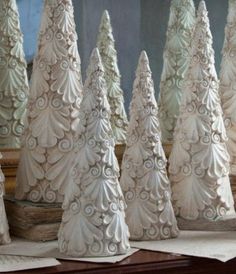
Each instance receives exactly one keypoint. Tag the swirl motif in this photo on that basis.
(65, 145)
(113, 248)
(130, 195)
(186, 169)
(35, 195)
(31, 142)
(92, 143)
(216, 138)
(152, 232)
(89, 210)
(12, 63)
(199, 172)
(95, 171)
(56, 103)
(21, 96)
(165, 232)
(221, 210)
(114, 207)
(41, 103)
(209, 213)
(64, 65)
(108, 172)
(4, 131)
(17, 128)
(96, 248)
(149, 164)
(50, 196)
(75, 206)
(144, 195)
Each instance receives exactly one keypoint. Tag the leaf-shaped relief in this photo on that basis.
(98, 126)
(167, 215)
(39, 80)
(219, 127)
(150, 125)
(228, 102)
(6, 110)
(46, 21)
(128, 175)
(102, 192)
(66, 81)
(212, 157)
(17, 51)
(195, 124)
(8, 25)
(210, 96)
(137, 152)
(155, 182)
(30, 169)
(117, 229)
(191, 196)
(53, 47)
(49, 126)
(64, 17)
(77, 233)
(228, 65)
(109, 157)
(177, 40)
(11, 78)
(168, 70)
(141, 213)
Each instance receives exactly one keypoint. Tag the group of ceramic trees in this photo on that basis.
(13, 77)
(175, 63)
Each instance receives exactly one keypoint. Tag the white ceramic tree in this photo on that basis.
(228, 83)
(94, 222)
(175, 63)
(144, 180)
(199, 161)
(4, 228)
(106, 46)
(48, 151)
(13, 77)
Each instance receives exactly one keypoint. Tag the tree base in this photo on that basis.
(227, 223)
(33, 221)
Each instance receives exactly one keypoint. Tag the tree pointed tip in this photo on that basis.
(143, 56)
(201, 7)
(106, 15)
(95, 53)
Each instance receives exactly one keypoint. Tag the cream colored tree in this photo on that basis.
(175, 63)
(199, 161)
(228, 81)
(93, 224)
(106, 46)
(13, 77)
(144, 180)
(48, 147)
(4, 228)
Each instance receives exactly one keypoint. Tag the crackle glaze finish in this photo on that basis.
(227, 83)
(93, 223)
(144, 180)
(4, 228)
(48, 147)
(106, 46)
(13, 77)
(175, 63)
(199, 161)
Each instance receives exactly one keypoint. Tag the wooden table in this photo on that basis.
(144, 262)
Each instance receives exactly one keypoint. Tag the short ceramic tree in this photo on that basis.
(228, 81)
(199, 161)
(93, 224)
(175, 63)
(106, 46)
(144, 180)
(13, 77)
(48, 147)
(4, 229)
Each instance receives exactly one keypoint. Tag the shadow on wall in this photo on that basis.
(137, 24)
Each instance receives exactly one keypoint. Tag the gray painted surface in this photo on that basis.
(137, 24)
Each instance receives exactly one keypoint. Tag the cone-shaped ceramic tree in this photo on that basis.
(144, 180)
(49, 140)
(13, 77)
(4, 229)
(106, 46)
(94, 222)
(199, 161)
(228, 83)
(175, 63)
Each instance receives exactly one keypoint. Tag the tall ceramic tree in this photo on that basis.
(175, 63)
(228, 83)
(48, 151)
(4, 228)
(93, 224)
(13, 77)
(199, 161)
(144, 180)
(106, 46)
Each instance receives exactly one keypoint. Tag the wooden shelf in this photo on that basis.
(144, 262)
